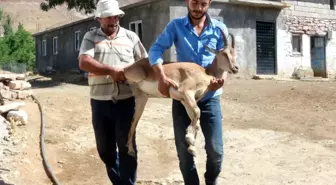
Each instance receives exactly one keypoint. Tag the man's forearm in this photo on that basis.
(90, 65)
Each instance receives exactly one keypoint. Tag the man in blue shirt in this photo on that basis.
(189, 35)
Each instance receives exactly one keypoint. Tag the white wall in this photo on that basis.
(331, 56)
(287, 60)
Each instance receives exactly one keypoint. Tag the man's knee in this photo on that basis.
(215, 152)
(107, 156)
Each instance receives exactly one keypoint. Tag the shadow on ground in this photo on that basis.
(4, 183)
(53, 80)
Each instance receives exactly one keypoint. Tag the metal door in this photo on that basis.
(318, 56)
(266, 48)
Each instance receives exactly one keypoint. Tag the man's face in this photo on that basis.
(109, 24)
(198, 8)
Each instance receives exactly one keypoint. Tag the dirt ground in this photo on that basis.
(275, 132)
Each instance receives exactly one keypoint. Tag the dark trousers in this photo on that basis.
(211, 125)
(111, 123)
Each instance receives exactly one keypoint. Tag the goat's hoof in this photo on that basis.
(190, 139)
(192, 150)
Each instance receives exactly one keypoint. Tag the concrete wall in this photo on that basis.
(310, 8)
(67, 56)
(243, 27)
(154, 17)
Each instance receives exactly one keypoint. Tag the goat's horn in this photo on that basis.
(225, 39)
(232, 40)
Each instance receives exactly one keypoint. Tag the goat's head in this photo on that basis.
(226, 57)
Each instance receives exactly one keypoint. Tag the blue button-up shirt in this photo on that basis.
(189, 45)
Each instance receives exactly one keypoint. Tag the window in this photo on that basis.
(93, 28)
(318, 42)
(136, 27)
(44, 48)
(77, 42)
(332, 4)
(55, 45)
(297, 43)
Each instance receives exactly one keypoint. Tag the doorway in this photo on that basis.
(266, 56)
(318, 56)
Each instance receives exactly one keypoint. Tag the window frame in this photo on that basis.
(136, 23)
(75, 40)
(332, 4)
(44, 47)
(299, 36)
(55, 52)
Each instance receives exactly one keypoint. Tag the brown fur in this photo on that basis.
(193, 82)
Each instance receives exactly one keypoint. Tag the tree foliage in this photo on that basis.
(8, 29)
(81, 5)
(18, 47)
(1, 14)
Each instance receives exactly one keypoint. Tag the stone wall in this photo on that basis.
(310, 25)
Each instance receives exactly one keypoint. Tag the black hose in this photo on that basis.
(47, 167)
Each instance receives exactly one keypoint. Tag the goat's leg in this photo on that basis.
(194, 114)
(140, 103)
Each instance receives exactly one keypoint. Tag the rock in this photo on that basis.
(4, 124)
(7, 94)
(19, 116)
(23, 94)
(20, 77)
(5, 77)
(301, 73)
(19, 85)
(11, 106)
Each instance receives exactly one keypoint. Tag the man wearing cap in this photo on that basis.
(103, 54)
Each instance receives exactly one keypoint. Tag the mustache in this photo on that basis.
(112, 25)
(195, 11)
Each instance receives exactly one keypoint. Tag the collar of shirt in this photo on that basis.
(187, 22)
(192, 49)
(121, 33)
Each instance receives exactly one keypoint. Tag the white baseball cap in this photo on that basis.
(108, 8)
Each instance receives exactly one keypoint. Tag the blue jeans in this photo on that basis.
(211, 125)
(111, 123)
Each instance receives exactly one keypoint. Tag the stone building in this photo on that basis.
(273, 37)
(307, 37)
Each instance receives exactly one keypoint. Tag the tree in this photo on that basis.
(1, 13)
(18, 47)
(8, 29)
(87, 5)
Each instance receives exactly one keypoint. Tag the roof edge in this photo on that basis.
(256, 3)
(63, 26)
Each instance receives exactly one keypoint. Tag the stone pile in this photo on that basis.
(13, 89)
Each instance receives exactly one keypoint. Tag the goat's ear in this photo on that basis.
(210, 49)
